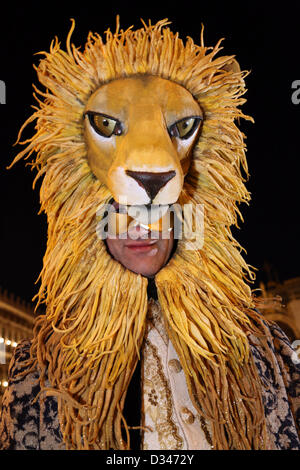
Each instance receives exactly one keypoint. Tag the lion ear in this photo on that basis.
(232, 66)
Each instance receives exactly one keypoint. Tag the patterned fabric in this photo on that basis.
(281, 390)
(169, 418)
(28, 422)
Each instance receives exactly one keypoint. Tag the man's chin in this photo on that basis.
(145, 272)
(145, 267)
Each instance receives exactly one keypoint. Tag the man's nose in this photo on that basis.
(151, 182)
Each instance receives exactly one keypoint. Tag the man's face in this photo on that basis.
(141, 253)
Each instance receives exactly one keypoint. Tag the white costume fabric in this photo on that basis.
(170, 419)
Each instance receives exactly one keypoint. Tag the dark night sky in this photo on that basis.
(264, 40)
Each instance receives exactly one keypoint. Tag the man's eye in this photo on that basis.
(104, 125)
(185, 127)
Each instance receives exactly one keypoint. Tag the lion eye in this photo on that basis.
(185, 127)
(104, 125)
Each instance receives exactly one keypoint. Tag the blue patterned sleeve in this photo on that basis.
(19, 421)
(290, 368)
(280, 378)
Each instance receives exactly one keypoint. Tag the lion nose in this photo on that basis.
(151, 182)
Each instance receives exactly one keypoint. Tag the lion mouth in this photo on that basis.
(144, 214)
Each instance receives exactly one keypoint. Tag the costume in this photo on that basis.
(169, 419)
(147, 118)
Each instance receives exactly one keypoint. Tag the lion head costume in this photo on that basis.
(91, 146)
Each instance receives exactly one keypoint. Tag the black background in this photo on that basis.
(265, 40)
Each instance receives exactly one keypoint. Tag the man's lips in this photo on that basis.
(141, 246)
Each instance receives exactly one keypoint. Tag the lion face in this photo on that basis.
(139, 133)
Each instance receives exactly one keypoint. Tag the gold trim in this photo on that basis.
(156, 387)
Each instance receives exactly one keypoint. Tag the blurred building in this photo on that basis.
(16, 324)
